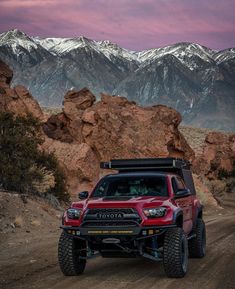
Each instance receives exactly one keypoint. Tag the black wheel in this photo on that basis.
(197, 245)
(175, 253)
(70, 255)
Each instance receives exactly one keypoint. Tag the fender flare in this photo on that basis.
(177, 213)
(198, 214)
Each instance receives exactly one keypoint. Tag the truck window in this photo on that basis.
(180, 184)
(177, 184)
(132, 186)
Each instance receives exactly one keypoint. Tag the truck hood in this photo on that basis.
(130, 202)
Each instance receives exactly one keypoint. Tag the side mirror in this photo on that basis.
(83, 195)
(183, 193)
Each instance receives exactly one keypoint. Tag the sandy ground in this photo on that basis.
(29, 260)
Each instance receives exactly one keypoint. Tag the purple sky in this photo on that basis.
(134, 24)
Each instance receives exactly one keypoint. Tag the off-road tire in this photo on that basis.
(69, 255)
(197, 245)
(175, 253)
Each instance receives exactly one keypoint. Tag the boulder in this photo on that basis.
(77, 101)
(78, 161)
(218, 155)
(17, 100)
(56, 128)
(203, 192)
(122, 129)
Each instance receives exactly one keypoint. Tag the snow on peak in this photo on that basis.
(64, 45)
(109, 48)
(224, 55)
(183, 51)
(15, 33)
(186, 52)
(16, 39)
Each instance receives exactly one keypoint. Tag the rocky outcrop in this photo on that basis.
(77, 101)
(18, 99)
(117, 128)
(87, 132)
(203, 191)
(128, 130)
(6, 75)
(78, 161)
(218, 155)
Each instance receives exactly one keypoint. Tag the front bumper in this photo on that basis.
(139, 232)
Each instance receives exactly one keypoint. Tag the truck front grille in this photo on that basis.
(113, 217)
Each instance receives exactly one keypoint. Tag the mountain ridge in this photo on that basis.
(187, 76)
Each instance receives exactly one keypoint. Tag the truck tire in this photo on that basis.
(175, 253)
(69, 257)
(197, 245)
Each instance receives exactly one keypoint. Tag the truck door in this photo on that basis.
(185, 203)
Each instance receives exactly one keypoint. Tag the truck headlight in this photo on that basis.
(155, 212)
(73, 213)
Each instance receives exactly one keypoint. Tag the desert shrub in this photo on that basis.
(23, 167)
(50, 162)
(46, 180)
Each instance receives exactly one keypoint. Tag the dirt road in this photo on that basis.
(34, 265)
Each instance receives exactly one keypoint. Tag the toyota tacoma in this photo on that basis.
(147, 208)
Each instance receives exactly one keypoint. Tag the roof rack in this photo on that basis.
(146, 164)
(173, 165)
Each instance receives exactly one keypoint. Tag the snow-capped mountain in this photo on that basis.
(16, 39)
(63, 46)
(16, 45)
(224, 55)
(187, 53)
(196, 80)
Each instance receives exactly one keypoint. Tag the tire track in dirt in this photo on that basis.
(215, 271)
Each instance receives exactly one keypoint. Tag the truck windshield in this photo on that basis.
(134, 186)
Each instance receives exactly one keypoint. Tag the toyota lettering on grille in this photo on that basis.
(106, 216)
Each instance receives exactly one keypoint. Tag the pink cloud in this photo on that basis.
(137, 25)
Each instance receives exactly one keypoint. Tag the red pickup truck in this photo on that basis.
(149, 209)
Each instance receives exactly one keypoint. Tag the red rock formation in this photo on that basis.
(218, 154)
(6, 75)
(203, 191)
(78, 161)
(17, 100)
(111, 128)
